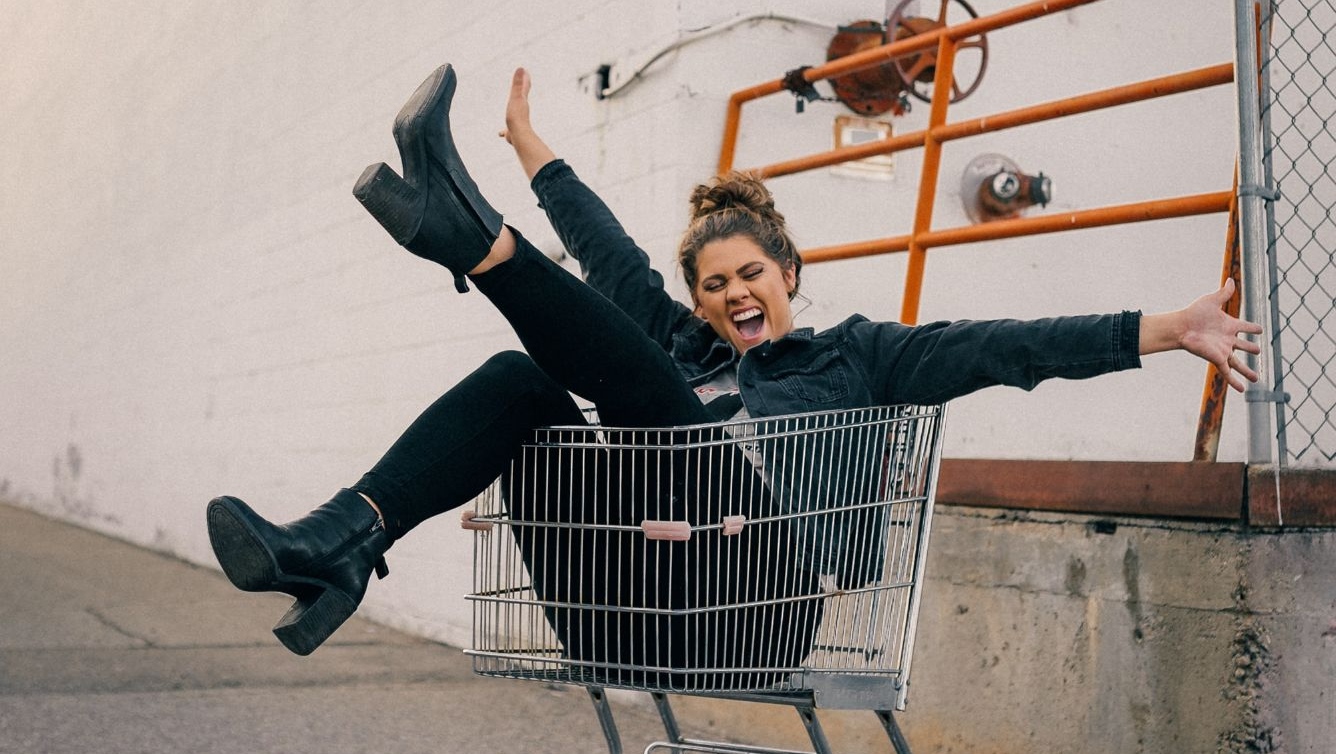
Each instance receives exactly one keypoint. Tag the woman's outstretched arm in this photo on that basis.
(939, 361)
(1205, 330)
(610, 260)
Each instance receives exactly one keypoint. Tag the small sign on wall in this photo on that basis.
(852, 130)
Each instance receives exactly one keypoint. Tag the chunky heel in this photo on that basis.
(396, 205)
(308, 623)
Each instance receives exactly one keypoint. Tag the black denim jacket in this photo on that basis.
(857, 363)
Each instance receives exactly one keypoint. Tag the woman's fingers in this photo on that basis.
(1243, 369)
(517, 106)
(519, 86)
(1235, 372)
(1247, 345)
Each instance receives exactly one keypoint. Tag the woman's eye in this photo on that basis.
(752, 274)
(711, 287)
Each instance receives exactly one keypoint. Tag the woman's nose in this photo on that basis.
(736, 291)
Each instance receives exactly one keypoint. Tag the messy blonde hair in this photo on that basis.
(736, 204)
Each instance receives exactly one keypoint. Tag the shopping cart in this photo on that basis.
(774, 560)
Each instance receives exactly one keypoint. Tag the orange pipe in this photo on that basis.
(733, 119)
(844, 154)
(881, 54)
(1159, 209)
(1209, 420)
(857, 249)
(731, 123)
(1118, 95)
(932, 158)
(1121, 95)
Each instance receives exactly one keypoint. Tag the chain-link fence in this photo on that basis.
(1298, 91)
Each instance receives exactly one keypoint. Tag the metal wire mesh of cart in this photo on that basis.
(758, 555)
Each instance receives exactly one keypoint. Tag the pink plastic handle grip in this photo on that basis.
(673, 531)
(466, 522)
(733, 525)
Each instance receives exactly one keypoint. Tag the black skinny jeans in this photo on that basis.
(580, 342)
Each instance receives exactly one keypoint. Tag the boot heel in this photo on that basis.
(389, 199)
(308, 623)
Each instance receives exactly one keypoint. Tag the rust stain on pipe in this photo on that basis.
(1209, 421)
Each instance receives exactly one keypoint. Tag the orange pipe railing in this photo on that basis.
(879, 55)
(1121, 95)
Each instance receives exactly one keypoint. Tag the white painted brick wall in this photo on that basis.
(194, 304)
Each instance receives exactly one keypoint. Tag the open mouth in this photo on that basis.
(749, 322)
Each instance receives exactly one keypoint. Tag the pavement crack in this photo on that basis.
(109, 623)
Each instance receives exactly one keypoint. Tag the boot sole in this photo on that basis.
(246, 561)
(410, 118)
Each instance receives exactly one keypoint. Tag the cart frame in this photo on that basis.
(776, 560)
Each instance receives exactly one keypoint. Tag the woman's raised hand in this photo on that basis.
(1205, 330)
(517, 106)
(531, 151)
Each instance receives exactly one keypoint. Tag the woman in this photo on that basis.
(645, 361)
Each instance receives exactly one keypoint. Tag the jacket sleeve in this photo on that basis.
(610, 260)
(936, 362)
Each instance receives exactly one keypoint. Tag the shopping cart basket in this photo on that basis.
(775, 560)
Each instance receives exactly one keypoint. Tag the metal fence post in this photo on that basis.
(1272, 270)
(1252, 239)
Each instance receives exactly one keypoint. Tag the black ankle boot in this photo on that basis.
(324, 559)
(435, 210)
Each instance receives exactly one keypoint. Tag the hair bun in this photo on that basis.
(731, 205)
(733, 190)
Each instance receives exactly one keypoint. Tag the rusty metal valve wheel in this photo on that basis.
(921, 67)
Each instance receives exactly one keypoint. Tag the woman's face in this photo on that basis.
(742, 292)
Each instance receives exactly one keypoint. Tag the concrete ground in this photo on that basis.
(105, 647)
